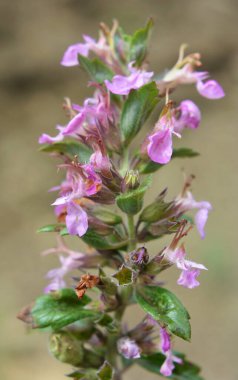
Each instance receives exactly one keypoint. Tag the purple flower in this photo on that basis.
(164, 340)
(160, 147)
(57, 275)
(189, 116)
(46, 139)
(100, 48)
(188, 278)
(122, 85)
(190, 269)
(128, 348)
(187, 202)
(168, 365)
(165, 346)
(76, 219)
(210, 89)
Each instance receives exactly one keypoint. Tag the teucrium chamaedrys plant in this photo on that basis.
(101, 202)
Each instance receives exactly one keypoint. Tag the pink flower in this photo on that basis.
(160, 146)
(122, 85)
(100, 48)
(188, 278)
(187, 202)
(57, 275)
(128, 348)
(164, 340)
(189, 116)
(165, 345)
(210, 89)
(76, 219)
(168, 365)
(190, 269)
(46, 139)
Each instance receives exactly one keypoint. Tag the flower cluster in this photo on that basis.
(100, 201)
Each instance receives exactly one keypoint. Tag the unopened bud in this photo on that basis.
(131, 180)
(66, 348)
(139, 256)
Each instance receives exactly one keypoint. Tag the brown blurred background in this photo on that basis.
(33, 36)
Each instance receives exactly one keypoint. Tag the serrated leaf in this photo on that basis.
(96, 69)
(124, 275)
(131, 202)
(57, 227)
(184, 371)
(105, 372)
(166, 308)
(59, 309)
(148, 167)
(136, 110)
(71, 148)
(139, 42)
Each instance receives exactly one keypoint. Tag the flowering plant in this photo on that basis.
(101, 202)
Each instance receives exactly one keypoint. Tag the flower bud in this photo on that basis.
(131, 180)
(139, 256)
(66, 348)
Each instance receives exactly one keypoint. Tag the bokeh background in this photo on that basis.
(33, 36)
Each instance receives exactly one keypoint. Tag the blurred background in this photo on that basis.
(33, 36)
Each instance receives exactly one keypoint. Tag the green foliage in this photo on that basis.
(71, 148)
(93, 239)
(105, 372)
(96, 69)
(139, 42)
(131, 202)
(184, 371)
(59, 309)
(136, 110)
(147, 167)
(166, 308)
(57, 227)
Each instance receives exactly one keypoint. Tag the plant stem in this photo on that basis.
(131, 232)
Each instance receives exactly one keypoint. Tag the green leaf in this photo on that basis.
(148, 167)
(59, 309)
(166, 308)
(72, 148)
(184, 153)
(139, 42)
(58, 227)
(105, 372)
(96, 69)
(184, 371)
(109, 286)
(88, 374)
(136, 110)
(93, 239)
(107, 216)
(124, 275)
(131, 202)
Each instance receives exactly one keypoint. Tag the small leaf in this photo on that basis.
(136, 110)
(96, 69)
(184, 153)
(71, 148)
(131, 202)
(124, 275)
(184, 371)
(93, 239)
(166, 308)
(105, 372)
(107, 216)
(148, 167)
(139, 42)
(52, 228)
(87, 374)
(59, 309)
